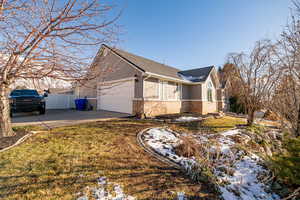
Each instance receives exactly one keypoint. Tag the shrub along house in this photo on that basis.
(132, 84)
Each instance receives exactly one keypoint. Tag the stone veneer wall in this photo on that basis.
(186, 106)
(209, 107)
(221, 106)
(196, 107)
(152, 108)
(138, 107)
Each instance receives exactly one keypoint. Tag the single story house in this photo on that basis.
(132, 84)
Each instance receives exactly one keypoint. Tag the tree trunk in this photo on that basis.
(297, 133)
(250, 118)
(5, 122)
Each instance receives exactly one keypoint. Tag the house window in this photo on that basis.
(104, 52)
(172, 91)
(209, 92)
(151, 88)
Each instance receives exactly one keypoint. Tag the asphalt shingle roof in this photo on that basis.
(151, 66)
(197, 75)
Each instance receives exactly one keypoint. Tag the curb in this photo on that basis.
(58, 125)
(153, 152)
(21, 140)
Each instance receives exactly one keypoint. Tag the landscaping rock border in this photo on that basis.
(164, 159)
(154, 153)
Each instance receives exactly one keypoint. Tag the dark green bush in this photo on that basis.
(287, 165)
(255, 128)
(235, 106)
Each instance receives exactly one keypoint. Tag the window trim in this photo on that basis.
(161, 89)
(178, 88)
(209, 93)
(162, 96)
(158, 90)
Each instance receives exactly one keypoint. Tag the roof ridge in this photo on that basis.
(211, 66)
(114, 48)
(154, 67)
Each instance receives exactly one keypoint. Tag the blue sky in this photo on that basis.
(198, 33)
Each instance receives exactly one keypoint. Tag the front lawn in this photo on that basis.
(62, 163)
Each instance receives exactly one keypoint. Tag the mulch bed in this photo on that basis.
(8, 141)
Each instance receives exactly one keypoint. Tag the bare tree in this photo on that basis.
(287, 52)
(255, 77)
(49, 38)
(227, 72)
(285, 102)
(8, 7)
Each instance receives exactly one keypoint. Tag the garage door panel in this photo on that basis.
(117, 97)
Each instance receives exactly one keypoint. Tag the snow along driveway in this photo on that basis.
(242, 183)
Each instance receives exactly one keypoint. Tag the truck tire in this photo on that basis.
(42, 111)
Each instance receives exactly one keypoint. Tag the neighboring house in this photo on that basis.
(68, 91)
(55, 86)
(132, 84)
(225, 93)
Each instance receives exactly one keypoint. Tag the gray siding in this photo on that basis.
(89, 89)
(138, 88)
(196, 92)
(186, 91)
(112, 67)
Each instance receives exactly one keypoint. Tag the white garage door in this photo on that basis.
(116, 97)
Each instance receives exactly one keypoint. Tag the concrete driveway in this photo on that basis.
(56, 118)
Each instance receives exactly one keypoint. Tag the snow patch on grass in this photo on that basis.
(237, 171)
(163, 142)
(102, 193)
(187, 119)
(244, 182)
(180, 196)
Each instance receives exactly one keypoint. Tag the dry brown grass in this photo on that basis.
(203, 170)
(269, 115)
(187, 148)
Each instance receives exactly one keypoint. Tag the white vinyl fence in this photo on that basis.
(60, 101)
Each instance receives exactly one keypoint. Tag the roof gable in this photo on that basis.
(214, 77)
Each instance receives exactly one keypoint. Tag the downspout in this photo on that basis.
(148, 76)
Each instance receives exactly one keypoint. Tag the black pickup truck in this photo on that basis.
(26, 101)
